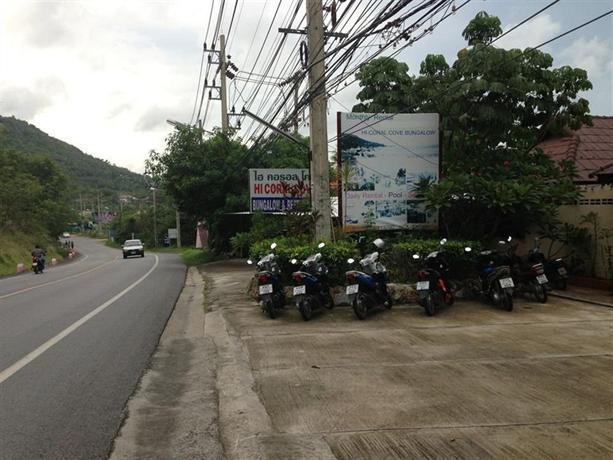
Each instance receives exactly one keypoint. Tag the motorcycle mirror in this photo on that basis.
(350, 261)
(321, 245)
(294, 261)
(415, 256)
(379, 243)
(468, 249)
(273, 245)
(443, 241)
(250, 262)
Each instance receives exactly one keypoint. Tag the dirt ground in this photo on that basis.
(471, 382)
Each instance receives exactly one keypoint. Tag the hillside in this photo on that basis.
(87, 175)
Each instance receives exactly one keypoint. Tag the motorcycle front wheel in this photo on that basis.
(360, 307)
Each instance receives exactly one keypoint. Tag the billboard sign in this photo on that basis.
(277, 190)
(382, 157)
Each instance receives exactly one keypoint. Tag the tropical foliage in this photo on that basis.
(495, 106)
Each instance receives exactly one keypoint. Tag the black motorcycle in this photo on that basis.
(311, 288)
(433, 285)
(271, 293)
(367, 289)
(556, 269)
(529, 274)
(495, 282)
(38, 264)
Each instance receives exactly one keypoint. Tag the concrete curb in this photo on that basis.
(174, 411)
(580, 299)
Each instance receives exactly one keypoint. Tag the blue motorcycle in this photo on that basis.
(495, 281)
(367, 288)
(311, 289)
(271, 293)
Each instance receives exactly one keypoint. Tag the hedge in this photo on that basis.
(398, 257)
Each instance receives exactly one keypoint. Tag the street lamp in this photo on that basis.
(155, 223)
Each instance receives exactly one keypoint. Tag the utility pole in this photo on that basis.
(99, 214)
(320, 191)
(221, 91)
(178, 218)
(295, 81)
(155, 220)
(222, 76)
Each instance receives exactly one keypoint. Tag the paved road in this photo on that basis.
(73, 344)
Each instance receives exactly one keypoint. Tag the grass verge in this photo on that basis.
(15, 248)
(193, 256)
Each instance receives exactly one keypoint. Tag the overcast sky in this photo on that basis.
(105, 75)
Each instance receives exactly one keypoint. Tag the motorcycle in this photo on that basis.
(433, 286)
(495, 281)
(271, 294)
(311, 290)
(367, 289)
(38, 264)
(556, 269)
(529, 275)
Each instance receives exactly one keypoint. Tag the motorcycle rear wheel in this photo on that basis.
(507, 301)
(329, 301)
(360, 307)
(306, 311)
(561, 284)
(540, 292)
(269, 307)
(387, 303)
(430, 305)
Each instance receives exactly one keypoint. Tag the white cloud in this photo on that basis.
(532, 33)
(593, 54)
(104, 75)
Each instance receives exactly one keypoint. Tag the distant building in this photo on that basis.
(591, 150)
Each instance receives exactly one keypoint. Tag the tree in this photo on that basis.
(33, 194)
(386, 84)
(495, 106)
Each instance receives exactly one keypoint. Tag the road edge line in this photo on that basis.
(27, 359)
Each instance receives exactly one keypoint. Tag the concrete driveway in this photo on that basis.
(472, 382)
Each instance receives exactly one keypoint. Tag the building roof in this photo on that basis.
(590, 148)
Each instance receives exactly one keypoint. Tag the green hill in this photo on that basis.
(87, 175)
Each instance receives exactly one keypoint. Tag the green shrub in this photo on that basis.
(402, 267)
(397, 257)
(335, 255)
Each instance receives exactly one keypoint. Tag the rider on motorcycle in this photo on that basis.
(38, 252)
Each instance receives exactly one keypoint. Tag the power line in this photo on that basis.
(520, 55)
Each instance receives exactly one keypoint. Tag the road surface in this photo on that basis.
(73, 344)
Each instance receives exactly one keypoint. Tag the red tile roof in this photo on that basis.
(590, 148)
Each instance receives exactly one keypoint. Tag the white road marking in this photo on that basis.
(16, 367)
(20, 291)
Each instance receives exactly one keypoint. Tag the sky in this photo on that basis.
(105, 75)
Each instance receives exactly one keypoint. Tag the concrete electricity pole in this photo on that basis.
(222, 76)
(318, 121)
(178, 219)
